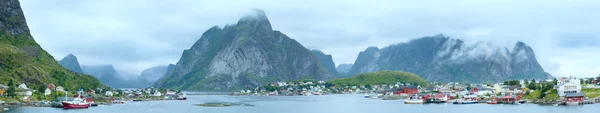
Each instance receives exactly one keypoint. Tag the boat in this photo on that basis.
(75, 104)
(493, 100)
(182, 97)
(572, 103)
(470, 99)
(367, 96)
(413, 101)
(438, 98)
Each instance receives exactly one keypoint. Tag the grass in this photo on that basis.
(382, 77)
(5, 99)
(591, 92)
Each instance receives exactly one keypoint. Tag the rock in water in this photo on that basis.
(70, 62)
(24, 61)
(442, 59)
(245, 55)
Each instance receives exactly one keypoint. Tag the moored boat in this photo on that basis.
(469, 99)
(75, 104)
(492, 102)
(413, 101)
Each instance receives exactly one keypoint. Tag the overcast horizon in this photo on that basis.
(134, 35)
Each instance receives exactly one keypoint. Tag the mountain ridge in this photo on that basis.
(241, 56)
(443, 59)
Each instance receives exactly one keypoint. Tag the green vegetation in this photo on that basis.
(382, 77)
(591, 92)
(538, 94)
(22, 60)
(541, 90)
(512, 83)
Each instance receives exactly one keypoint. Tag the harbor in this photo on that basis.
(334, 103)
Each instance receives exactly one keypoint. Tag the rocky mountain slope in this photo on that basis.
(22, 60)
(152, 74)
(344, 68)
(243, 55)
(71, 63)
(443, 59)
(326, 60)
(106, 74)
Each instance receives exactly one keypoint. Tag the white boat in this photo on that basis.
(413, 101)
(572, 103)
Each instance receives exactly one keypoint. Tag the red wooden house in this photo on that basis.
(407, 90)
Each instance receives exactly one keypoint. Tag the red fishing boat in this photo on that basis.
(76, 104)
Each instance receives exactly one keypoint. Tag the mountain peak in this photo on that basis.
(256, 20)
(521, 46)
(71, 63)
(255, 14)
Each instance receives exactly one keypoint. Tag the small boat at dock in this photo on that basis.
(414, 100)
(77, 103)
(469, 99)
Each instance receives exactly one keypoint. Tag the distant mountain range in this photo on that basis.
(443, 59)
(70, 62)
(241, 56)
(22, 60)
(109, 76)
(152, 74)
(343, 70)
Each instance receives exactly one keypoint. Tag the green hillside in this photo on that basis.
(24, 61)
(381, 77)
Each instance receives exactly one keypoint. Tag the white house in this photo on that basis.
(108, 93)
(23, 86)
(568, 85)
(157, 94)
(60, 89)
(47, 92)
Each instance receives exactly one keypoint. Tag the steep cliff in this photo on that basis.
(244, 55)
(440, 58)
(326, 60)
(24, 61)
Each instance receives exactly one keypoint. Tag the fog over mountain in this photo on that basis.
(136, 35)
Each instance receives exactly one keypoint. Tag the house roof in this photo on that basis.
(3, 86)
(411, 87)
(574, 95)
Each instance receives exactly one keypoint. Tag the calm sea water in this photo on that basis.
(308, 104)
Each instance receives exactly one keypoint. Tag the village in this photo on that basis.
(57, 96)
(561, 91)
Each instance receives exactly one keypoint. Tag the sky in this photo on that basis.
(134, 35)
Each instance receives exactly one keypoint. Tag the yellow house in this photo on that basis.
(3, 89)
